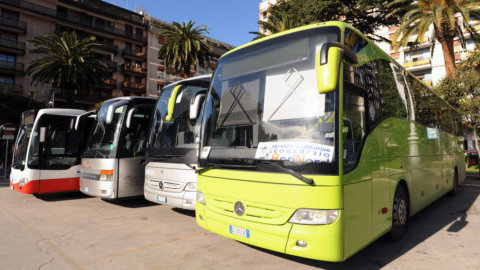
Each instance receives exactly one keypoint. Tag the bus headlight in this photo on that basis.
(106, 175)
(314, 217)
(191, 187)
(22, 182)
(200, 197)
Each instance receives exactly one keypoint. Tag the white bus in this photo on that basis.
(173, 144)
(47, 151)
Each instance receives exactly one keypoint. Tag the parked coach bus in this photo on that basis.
(112, 164)
(315, 143)
(172, 152)
(46, 156)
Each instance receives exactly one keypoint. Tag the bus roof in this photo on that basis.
(201, 77)
(67, 112)
(132, 98)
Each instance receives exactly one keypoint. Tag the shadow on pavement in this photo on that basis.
(185, 212)
(421, 226)
(131, 202)
(61, 196)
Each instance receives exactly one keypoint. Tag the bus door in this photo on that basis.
(131, 171)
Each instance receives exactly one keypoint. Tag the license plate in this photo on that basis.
(161, 199)
(240, 231)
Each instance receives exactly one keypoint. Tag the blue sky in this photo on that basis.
(228, 20)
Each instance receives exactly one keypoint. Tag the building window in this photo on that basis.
(8, 36)
(9, 14)
(128, 45)
(128, 29)
(10, 59)
(7, 79)
(139, 32)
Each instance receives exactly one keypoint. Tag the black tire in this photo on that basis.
(399, 213)
(454, 191)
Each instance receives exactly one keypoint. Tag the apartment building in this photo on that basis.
(263, 14)
(123, 33)
(419, 60)
(160, 75)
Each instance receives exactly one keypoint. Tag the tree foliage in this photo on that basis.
(67, 63)
(185, 46)
(365, 15)
(463, 91)
(416, 18)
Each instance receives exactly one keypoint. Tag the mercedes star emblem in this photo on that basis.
(160, 185)
(239, 209)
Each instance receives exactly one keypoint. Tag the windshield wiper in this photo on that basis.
(226, 166)
(291, 172)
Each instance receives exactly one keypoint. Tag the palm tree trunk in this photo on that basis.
(186, 69)
(449, 56)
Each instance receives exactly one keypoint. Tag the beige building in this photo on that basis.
(263, 13)
(419, 60)
(131, 42)
(123, 32)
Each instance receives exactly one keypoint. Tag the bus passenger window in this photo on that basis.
(354, 128)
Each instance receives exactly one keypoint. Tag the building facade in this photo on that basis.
(130, 48)
(123, 33)
(263, 14)
(419, 60)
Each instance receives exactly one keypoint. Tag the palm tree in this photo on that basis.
(277, 22)
(419, 15)
(185, 46)
(67, 63)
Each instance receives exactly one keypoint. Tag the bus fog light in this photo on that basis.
(23, 182)
(301, 243)
(106, 175)
(314, 217)
(191, 187)
(200, 197)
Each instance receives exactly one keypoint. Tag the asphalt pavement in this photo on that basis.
(74, 231)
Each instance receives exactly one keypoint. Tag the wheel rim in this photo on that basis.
(402, 212)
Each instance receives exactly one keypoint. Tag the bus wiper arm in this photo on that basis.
(291, 172)
(226, 166)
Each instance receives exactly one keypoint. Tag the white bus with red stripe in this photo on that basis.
(47, 152)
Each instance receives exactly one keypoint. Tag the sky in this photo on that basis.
(228, 21)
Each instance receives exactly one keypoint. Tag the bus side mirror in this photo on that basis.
(171, 102)
(43, 132)
(196, 106)
(328, 63)
(130, 116)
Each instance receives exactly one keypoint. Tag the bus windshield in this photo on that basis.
(176, 137)
(264, 106)
(61, 148)
(103, 140)
(23, 137)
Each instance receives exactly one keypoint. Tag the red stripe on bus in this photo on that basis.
(48, 186)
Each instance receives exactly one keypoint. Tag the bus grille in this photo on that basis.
(256, 212)
(168, 186)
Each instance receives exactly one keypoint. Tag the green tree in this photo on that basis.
(365, 15)
(67, 63)
(463, 92)
(416, 18)
(185, 46)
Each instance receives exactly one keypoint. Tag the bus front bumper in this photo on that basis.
(95, 188)
(323, 242)
(183, 199)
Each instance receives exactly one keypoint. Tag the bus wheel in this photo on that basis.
(399, 213)
(454, 191)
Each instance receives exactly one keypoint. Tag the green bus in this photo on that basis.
(315, 143)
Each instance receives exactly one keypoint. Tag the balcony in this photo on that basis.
(15, 88)
(13, 25)
(12, 46)
(72, 19)
(135, 54)
(109, 84)
(132, 86)
(11, 68)
(133, 70)
(112, 48)
(418, 64)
